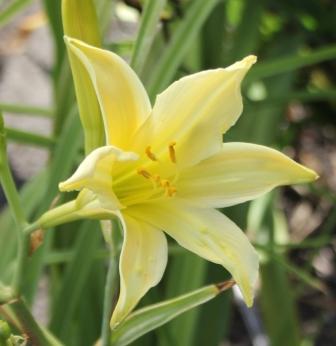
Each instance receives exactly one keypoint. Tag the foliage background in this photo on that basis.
(289, 105)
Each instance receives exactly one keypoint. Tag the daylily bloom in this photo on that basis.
(165, 169)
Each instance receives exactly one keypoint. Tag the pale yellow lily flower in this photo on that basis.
(165, 169)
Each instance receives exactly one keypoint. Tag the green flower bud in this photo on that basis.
(80, 21)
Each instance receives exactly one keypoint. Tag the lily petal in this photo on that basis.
(95, 174)
(207, 233)
(195, 110)
(142, 263)
(122, 97)
(239, 172)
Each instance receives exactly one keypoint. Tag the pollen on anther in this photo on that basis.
(171, 191)
(165, 183)
(144, 173)
(172, 153)
(149, 153)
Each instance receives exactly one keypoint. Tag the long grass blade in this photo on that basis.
(12, 10)
(183, 37)
(147, 31)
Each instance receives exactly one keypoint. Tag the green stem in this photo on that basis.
(111, 288)
(64, 213)
(29, 325)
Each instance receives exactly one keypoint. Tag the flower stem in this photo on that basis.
(61, 214)
(28, 324)
(111, 288)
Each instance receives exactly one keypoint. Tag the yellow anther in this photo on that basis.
(144, 173)
(171, 191)
(172, 153)
(165, 183)
(149, 153)
(155, 179)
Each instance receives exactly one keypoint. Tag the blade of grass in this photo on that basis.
(12, 10)
(75, 276)
(247, 35)
(30, 195)
(25, 109)
(302, 275)
(29, 138)
(277, 300)
(214, 320)
(90, 314)
(149, 21)
(212, 39)
(184, 35)
(105, 11)
(187, 272)
(53, 11)
(302, 96)
(286, 64)
(69, 142)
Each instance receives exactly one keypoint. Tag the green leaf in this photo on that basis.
(29, 138)
(12, 10)
(186, 273)
(183, 37)
(30, 195)
(105, 10)
(69, 295)
(146, 34)
(60, 167)
(290, 63)
(53, 12)
(144, 320)
(25, 109)
(246, 38)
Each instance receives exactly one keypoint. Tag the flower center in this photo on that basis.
(157, 181)
(151, 180)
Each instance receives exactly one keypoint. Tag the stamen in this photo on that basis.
(157, 181)
(171, 191)
(144, 173)
(172, 153)
(149, 153)
(165, 183)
